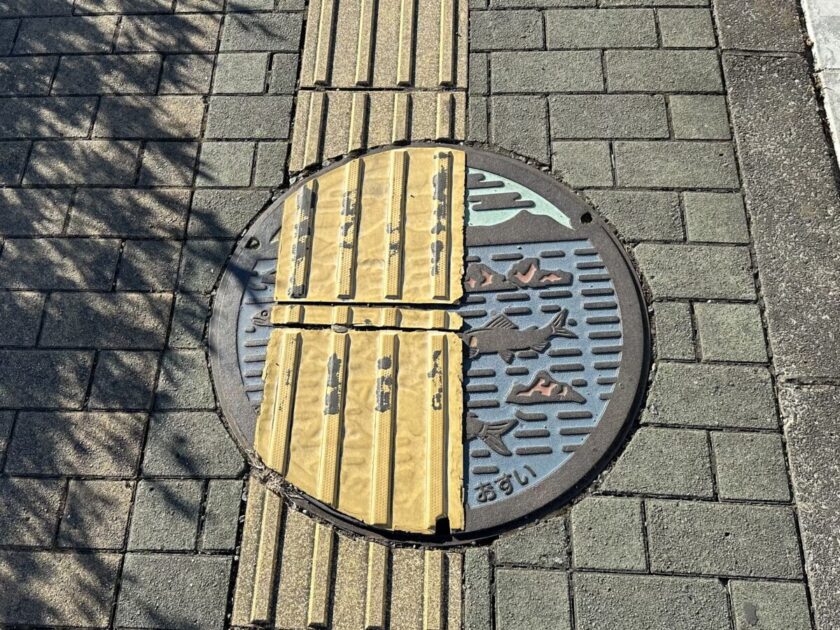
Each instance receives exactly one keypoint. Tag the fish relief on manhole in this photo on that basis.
(543, 333)
(473, 342)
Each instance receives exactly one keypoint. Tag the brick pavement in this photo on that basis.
(139, 139)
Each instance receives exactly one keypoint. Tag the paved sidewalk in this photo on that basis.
(139, 139)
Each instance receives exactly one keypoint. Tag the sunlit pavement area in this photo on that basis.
(141, 137)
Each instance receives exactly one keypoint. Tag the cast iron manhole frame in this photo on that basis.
(560, 487)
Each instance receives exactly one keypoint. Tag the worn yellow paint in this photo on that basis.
(372, 449)
(331, 124)
(346, 215)
(321, 578)
(390, 43)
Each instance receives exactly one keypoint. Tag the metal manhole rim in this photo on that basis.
(558, 487)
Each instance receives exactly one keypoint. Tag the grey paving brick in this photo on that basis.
(271, 163)
(663, 71)
(663, 462)
(33, 378)
(124, 380)
(49, 443)
(95, 514)
(250, 5)
(57, 589)
(284, 71)
(94, 162)
(477, 118)
(699, 117)
(174, 591)
(58, 263)
(129, 213)
(608, 116)
(169, 33)
(539, 4)
(803, 311)
(240, 73)
(640, 215)
(149, 117)
(633, 602)
(723, 539)
(546, 71)
(539, 545)
(165, 515)
(20, 317)
(22, 8)
(730, 332)
(191, 313)
(148, 266)
(750, 466)
(201, 264)
(674, 338)
(122, 6)
(225, 164)
(190, 6)
(582, 163)
(29, 511)
(600, 28)
(278, 32)
(478, 611)
(46, 117)
(190, 443)
(506, 30)
(168, 164)
(108, 74)
(607, 534)
(770, 605)
(676, 164)
(33, 212)
(260, 117)
(528, 598)
(479, 77)
(771, 25)
(512, 125)
(686, 28)
(715, 217)
(54, 35)
(809, 417)
(12, 161)
(221, 515)
(742, 396)
(696, 271)
(184, 381)
(106, 320)
(186, 74)
(224, 213)
(26, 76)
(7, 419)
(8, 30)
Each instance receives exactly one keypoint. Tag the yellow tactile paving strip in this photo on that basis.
(404, 207)
(385, 44)
(334, 123)
(368, 422)
(296, 573)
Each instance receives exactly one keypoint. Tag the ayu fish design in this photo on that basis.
(500, 335)
(490, 432)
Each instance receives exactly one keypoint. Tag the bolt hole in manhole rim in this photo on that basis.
(552, 360)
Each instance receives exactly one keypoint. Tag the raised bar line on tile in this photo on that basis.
(441, 229)
(446, 61)
(436, 431)
(383, 428)
(349, 227)
(405, 52)
(320, 581)
(376, 596)
(333, 418)
(364, 46)
(284, 388)
(358, 121)
(396, 219)
(323, 58)
(314, 129)
(433, 589)
(303, 238)
(272, 514)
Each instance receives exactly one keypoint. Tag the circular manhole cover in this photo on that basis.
(438, 342)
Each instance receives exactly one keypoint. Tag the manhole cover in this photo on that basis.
(437, 343)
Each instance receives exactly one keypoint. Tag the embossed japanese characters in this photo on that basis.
(438, 342)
